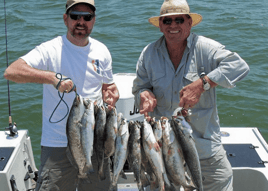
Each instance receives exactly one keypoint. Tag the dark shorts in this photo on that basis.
(56, 173)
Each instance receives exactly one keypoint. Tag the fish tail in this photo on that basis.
(190, 188)
(83, 179)
(123, 175)
(102, 175)
(112, 187)
(140, 187)
(153, 185)
(88, 169)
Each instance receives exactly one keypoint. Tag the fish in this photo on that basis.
(158, 133)
(134, 156)
(173, 156)
(148, 168)
(110, 132)
(153, 153)
(87, 132)
(183, 133)
(73, 131)
(121, 152)
(157, 129)
(100, 121)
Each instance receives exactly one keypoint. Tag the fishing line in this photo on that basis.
(13, 129)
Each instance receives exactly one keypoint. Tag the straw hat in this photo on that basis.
(71, 3)
(175, 7)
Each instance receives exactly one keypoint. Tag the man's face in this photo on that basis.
(78, 30)
(176, 28)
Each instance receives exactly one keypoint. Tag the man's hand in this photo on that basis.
(63, 84)
(190, 94)
(147, 103)
(110, 94)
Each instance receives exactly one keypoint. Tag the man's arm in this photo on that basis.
(20, 72)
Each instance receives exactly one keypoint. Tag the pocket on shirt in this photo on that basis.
(206, 99)
(158, 82)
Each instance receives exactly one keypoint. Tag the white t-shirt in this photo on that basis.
(88, 67)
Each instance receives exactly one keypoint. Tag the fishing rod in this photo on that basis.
(11, 127)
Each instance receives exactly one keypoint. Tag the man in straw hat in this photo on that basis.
(88, 63)
(183, 69)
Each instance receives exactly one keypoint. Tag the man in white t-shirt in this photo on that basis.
(88, 65)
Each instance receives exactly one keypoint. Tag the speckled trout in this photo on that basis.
(183, 133)
(173, 156)
(158, 133)
(87, 132)
(110, 132)
(100, 121)
(153, 153)
(134, 156)
(121, 152)
(73, 130)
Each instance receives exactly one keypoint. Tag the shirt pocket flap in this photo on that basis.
(191, 76)
(157, 75)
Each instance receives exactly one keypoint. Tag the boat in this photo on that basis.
(245, 147)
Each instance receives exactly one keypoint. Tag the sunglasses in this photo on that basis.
(168, 21)
(76, 15)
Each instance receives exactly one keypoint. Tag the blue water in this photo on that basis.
(123, 26)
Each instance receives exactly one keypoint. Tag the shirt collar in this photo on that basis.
(190, 40)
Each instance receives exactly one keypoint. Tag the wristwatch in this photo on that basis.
(206, 85)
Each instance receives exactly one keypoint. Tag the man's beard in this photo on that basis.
(76, 33)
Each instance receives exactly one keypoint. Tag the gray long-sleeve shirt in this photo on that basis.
(156, 73)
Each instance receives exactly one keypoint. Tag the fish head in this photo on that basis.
(177, 112)
(77, 100)
(119, 117)
(123, 127)
(86, 103)
(165, 124)
(157, 129)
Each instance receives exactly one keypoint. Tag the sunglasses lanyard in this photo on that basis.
(59, 76)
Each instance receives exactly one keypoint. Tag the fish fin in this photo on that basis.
(110, 168)
(102, 176)
(172, 136)
(145, 178)
(91, 169)
(153, 185)
(175, 187)
(83, 180)
(70, 157)
(123, 175)
(101, 170)
(112, 188)
(167, 182)
(191, 186)
(157, 147)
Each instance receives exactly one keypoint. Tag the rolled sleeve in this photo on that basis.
(230, 68)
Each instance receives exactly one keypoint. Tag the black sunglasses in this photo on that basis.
(168, 21)
(76, 15)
